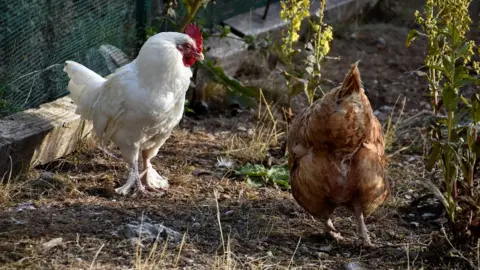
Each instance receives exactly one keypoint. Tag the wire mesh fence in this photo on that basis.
(37, 36)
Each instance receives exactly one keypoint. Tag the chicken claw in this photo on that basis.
(336, 236)
(367, 244)
(131, 180)
(332, 232)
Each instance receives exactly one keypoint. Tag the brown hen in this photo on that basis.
(336, 156)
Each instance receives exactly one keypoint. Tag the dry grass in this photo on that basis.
(10, 187)
(391, 128)
(263, 136)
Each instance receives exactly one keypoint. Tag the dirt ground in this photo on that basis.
(222, 222)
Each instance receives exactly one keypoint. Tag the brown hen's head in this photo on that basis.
(192, 51)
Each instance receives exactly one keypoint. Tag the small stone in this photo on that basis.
(18, 222)
(229, 212)
(415, 224)
(51, 244)
(411, 158)
(386, 108)
(322, 255)
(381, 115)
(201, 172)
(196, 225)
(392, 234)
(303, 248)
(427, 215)
(326, 248)
(269, 253)
(408, 196)
(381, 43)
(47, 176)
(241, 128)
(25, 206)
(353, 266)
(148, 230)
(425, 104)
(411, 215)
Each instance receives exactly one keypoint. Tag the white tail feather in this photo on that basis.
(84, 86)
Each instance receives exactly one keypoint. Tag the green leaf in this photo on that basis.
(446, 61)
(257, 175)
(463, 49)
(450, 97)
(187, 107)
(439, 68)
(300, 85)
(465, 100)
(279, 172)
(255, 181)
(286, 75)
(253, 170)
(225, 31)
(412, 35)
(283, 184)
(459, 115)
(249, 39)
(462, 77)
(434, 156)
(471, 137)
(231, 83)
(475, 111)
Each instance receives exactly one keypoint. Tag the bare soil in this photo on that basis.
(260, 227)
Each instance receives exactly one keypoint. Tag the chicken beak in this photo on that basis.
(200, 57)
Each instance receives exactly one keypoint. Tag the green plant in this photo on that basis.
(308, 78)
(453, 140)
(257, 175)
(322, 36)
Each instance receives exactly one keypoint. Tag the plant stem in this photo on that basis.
(191, 15)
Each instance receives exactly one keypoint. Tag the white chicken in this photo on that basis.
(138, 106)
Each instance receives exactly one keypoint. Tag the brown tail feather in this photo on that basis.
(352, 82)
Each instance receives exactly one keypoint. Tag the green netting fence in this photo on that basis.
(37, 36)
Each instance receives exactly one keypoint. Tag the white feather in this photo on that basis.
(142, 101)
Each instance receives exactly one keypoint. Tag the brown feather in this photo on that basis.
(336, 152)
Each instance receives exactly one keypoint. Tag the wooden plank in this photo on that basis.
(38, 136)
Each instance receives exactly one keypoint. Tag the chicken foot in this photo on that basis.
(154, 181)
(130, 155)
(331, 230)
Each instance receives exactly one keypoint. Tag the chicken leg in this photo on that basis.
(154, 181)
(362, 229)
(130, 156)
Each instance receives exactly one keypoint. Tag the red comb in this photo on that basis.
(194, 32)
